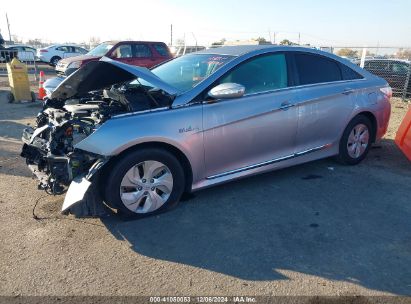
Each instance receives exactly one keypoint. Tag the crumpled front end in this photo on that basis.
(79, 106)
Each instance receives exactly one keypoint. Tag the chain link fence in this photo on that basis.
(29, 58)
(391, 63)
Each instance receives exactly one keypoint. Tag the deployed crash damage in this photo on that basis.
(78, 106)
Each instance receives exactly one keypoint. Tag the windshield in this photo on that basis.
(100, 50)
(185, 72)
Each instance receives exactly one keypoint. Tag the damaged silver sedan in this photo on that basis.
(137, 139)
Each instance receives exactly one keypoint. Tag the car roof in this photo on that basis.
(12, 46)
(239, 50)
(23, 45)
(65, 44)
(130, 41)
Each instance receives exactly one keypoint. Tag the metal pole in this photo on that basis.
(364, 53)
(407, 81)
(8, 26)
(171, 35)
(195, 39)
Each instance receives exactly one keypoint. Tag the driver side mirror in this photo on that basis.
(227, 91)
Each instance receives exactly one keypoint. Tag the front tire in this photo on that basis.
(144, 182)
(356, 141)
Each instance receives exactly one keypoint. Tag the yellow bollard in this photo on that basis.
(19, 81)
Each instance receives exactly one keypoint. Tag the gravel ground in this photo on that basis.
(314, 229)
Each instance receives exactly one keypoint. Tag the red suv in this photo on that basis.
(142, 53)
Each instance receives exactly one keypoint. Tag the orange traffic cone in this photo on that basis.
(42, 91)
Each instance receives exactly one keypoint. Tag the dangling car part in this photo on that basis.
(144, 137)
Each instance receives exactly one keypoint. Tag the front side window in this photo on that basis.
(261, 74)
(313, 69)
(123, 51)
(101, 49)
(80, 50)
(142, 51)
(185, 72)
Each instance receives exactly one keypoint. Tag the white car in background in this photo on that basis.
(52, 54)
(24, 52)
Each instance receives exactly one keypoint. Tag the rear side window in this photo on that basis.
(123, 51)
(316, 69)
(141, 50)
(264, 73)
(161, 49)
(399, 68)
(376, 65)
(349, 74)
(63, 49)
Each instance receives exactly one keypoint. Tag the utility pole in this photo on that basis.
(8, 26)
(171, 35)
(269, 34)
(299, 38)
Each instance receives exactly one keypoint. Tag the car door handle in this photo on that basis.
(285, 105)
(347, 91)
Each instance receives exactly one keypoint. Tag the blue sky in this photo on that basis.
(320, 22)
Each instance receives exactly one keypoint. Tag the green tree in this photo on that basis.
(347, 53)
(403, 54)
(221, 42)
(287, 42)
(260, 40)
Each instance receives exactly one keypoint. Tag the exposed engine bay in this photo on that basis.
(49, 147)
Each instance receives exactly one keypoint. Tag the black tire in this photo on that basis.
(33, 97)
(10, 97)
(344, 155)
(118, 170)
(55, 60)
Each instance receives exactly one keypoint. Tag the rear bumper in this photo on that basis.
(383, 120)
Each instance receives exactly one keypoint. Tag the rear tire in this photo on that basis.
(356, 141)
(10, 97)
(55, 60)
(144, 183)
(33, 96)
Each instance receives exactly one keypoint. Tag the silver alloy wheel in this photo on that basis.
(358, 141)
(146, 186)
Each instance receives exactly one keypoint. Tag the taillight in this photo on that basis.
(69, 132)
(387, 91)
(43, 51)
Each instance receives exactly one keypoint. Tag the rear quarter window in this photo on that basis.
(313, 69)
(349, 74)
(161, 49)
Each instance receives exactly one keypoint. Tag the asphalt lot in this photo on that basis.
(314, 229)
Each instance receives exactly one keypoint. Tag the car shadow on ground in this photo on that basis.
(323, 219)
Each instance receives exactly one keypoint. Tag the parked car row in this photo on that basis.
(141, 53)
